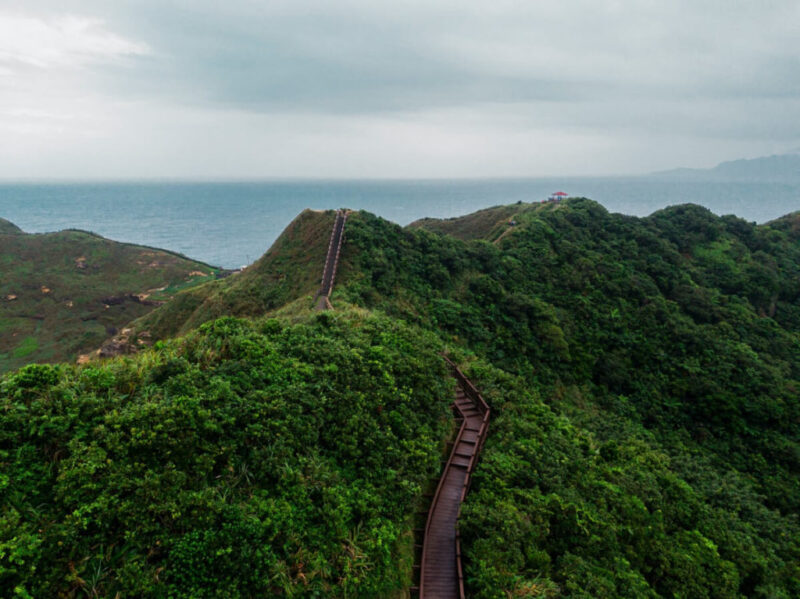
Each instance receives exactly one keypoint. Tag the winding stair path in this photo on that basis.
(440, 572)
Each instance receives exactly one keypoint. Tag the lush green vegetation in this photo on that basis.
(572, 500)
(62, 294)
(246, 460)
(643, 375)
(655, 447)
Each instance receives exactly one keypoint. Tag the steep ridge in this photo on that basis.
(287, 271)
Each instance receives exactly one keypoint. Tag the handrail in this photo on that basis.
(331, 261)
(468, 387)
(472, 392)
(483, 408)
(334, 247)
(329, 252)
(342, 220)
(435, 500)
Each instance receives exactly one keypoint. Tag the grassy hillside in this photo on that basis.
(63, 293)
(647, 439)
(643, 375)
(487, 224)
(292, 268)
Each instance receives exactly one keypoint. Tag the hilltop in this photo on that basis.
(63, 294)
(289, 270)
(643, 376)
(9, 228)
(488, 224)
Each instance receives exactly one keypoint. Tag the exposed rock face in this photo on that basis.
(139, 298)
(124, 343)
(113, 301)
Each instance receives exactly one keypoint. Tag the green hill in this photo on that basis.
(647, 439)
(9, 228)
(488, 224)
(292, 268)
(643, 375)
(245, 460)
(64, 293)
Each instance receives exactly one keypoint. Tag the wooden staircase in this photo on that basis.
(441, 573)
(322, 301)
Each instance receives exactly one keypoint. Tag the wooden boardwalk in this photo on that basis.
(441, 575)
(323, 301)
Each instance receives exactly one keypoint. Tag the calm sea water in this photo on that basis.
(232, 224)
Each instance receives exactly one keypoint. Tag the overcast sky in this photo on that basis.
(372, 88)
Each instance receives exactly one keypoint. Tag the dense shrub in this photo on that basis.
(643, 375)
(249, 459)
(659, 362)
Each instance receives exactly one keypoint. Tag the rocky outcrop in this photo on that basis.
(123, 343)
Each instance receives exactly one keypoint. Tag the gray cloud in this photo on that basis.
(359, 58)
(720, 77)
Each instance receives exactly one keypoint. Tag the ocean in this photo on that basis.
(231, 224)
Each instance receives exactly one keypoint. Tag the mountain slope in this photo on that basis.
(9, 228)
(63, 293)
(487, 224)
(658, 356)
(290, 269)
(643, 375)
(246, 460)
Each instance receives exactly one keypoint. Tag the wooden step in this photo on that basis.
(441, 573)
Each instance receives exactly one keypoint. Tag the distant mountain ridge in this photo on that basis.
(778, 167)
